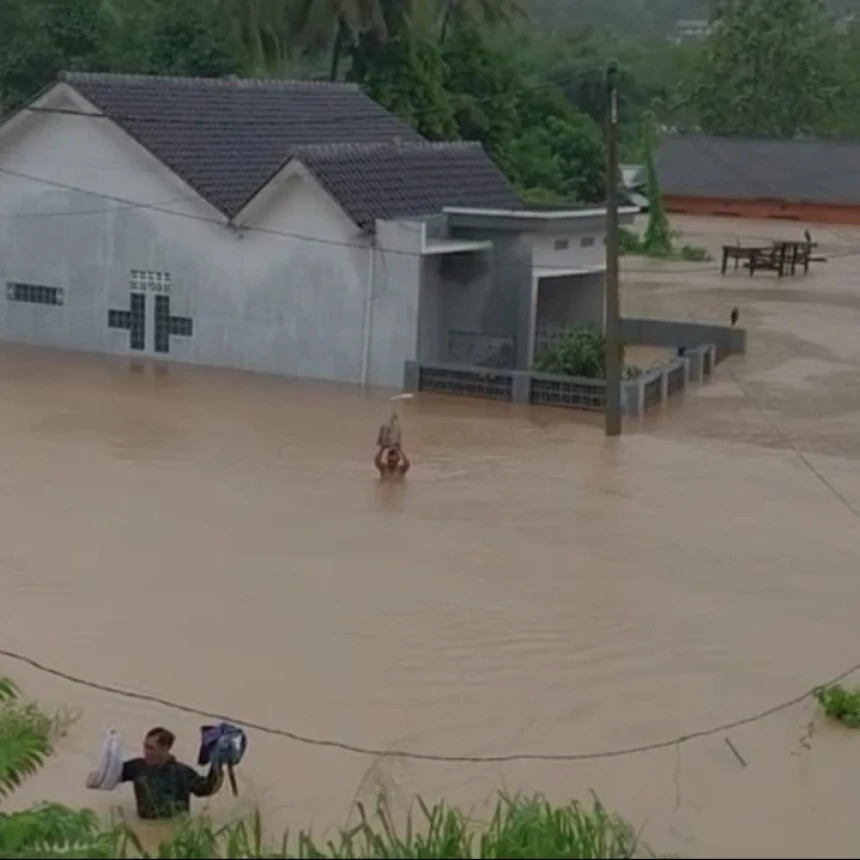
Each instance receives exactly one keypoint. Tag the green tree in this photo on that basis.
(557, 150)
(172, 37)
(43, 37)
(407, 75)
(845, 118)
(547, 148)
(339, 23)
(483, 11)
(261, 29)
(767, 69)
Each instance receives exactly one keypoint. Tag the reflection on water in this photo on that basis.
(223, 540)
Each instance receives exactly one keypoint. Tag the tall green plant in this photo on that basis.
(657, 241)
(26, 736)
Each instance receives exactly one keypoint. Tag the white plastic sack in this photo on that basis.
(390, 435)
(108, 771)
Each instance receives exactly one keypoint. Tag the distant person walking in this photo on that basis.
(391, 460)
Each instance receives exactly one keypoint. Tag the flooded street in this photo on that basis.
(220, 540)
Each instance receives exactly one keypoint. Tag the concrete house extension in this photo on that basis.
(295, 228)
(816, 181)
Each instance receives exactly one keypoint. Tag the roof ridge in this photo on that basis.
(228, 82)
(412, 145)
(729, 138)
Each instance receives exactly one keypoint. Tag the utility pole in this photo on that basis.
(613, 302)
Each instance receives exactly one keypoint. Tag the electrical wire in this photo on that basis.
(375, 752)
(222, 222)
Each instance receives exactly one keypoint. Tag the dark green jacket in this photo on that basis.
(164, 792)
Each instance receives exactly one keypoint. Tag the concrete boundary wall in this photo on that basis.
(647, 391)
(674, 334)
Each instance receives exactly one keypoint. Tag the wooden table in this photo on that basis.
(780, 257)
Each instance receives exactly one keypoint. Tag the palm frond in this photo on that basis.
(24, 746)
(8, 690)
(26, 736)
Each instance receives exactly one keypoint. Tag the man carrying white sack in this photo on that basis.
(162, 785)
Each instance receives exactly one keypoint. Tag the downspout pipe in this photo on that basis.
(367, 333)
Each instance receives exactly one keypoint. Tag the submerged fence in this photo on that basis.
(651, 389)
(479, 366)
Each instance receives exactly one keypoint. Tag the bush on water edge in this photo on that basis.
(840, 704)
(520, 827)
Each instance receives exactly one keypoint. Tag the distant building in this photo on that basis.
(692, 28)
(633, 185)
(802, 180)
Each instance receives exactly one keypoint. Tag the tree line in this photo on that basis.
(527, 85)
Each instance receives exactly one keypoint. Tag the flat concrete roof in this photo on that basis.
(454, 246)
(531, 220)
(544, 272)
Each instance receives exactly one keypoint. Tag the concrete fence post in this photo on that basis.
(712, 353)
(521, 388)
(411, 377)
(664, 385)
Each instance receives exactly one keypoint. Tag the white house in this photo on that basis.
(288, 227)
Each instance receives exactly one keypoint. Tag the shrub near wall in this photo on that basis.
(580, 351)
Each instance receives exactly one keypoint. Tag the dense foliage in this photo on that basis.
(524, 77)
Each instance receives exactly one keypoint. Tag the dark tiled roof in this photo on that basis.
(389, 180)
(226, 138)
(815, 171)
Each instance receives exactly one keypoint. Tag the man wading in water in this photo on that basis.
(391, 459)
(162, 785)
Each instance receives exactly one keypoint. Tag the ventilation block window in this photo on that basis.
(144, 281)
(561, 244)
(34, 294)
(587, 241)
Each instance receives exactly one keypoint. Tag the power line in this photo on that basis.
(222, 222)
(375, 752)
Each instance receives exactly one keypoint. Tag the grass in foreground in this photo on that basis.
(519, 828)
(840, 703)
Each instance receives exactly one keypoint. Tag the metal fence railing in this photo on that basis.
(467, 381)
(483, 350)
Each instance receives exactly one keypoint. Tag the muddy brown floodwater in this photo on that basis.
(220, 539)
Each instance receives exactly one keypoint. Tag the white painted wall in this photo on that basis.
(290, 304)
(585, 249)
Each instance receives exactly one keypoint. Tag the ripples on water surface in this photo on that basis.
(220, 539)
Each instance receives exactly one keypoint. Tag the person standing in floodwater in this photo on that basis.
(162, 785)
(391, 460)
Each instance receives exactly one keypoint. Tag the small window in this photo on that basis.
(561, 244)
(587, 241)
(150, 282)
(181, 326)
(34, 294)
